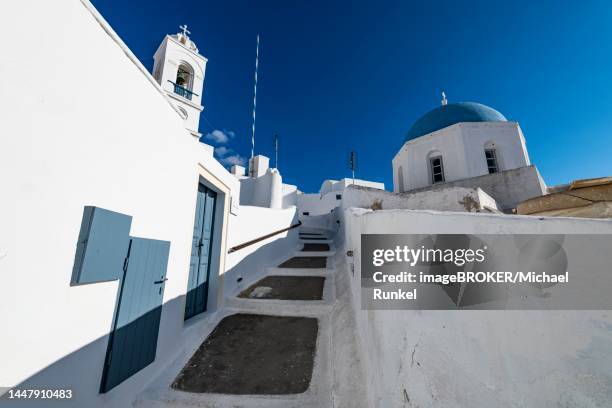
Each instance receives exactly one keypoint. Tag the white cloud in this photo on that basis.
(225, 154)
(222, 151)
(234, 159)
(220, 136)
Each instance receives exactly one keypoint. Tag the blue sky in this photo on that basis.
(337, 76)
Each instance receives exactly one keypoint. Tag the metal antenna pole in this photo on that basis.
(254, 108)
(353, 164)
(276, 150)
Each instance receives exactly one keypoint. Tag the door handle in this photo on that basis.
(160, 281)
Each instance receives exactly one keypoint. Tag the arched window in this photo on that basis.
(491, 157)
(184, 76)
(436, 167)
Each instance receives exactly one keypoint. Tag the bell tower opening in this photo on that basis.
(184, 76)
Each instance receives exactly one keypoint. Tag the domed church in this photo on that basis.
(467, 144)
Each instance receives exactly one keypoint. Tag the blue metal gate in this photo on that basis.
(199, 268)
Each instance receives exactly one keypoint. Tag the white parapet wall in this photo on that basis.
(478, 358)
(507, 187)
(462, 199)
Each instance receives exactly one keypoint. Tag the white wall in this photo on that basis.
(479, 358)
(330, 196)
(267, 191)
(339, 185)
(507, 187)
(290, 193)
(462, 149)
(315, 204)
(444, 199)
(90, 127)
(249, 263)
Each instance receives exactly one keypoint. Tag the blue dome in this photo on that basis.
(450, 114)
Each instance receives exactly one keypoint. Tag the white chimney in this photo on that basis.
(258, 165)
(237, 170)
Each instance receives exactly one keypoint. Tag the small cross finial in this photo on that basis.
(444, 100)
(184, 30)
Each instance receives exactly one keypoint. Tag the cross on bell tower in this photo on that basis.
(184, 29)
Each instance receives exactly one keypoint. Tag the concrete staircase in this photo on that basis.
(319, 393)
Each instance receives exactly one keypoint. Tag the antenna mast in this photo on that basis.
(353, 163)
(276, 150)
(254, 107)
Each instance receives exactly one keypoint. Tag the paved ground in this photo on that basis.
(305, 262)
(315, 247)
(286, 288)
(253, 354)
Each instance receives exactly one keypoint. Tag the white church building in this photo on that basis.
(470, 145)
(127, 249)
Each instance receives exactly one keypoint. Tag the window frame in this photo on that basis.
(494, 159)
(432, 171)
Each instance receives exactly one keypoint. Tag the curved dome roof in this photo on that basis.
(447, 115)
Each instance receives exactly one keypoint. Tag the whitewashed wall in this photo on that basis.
(462, 149)
(89, 126)
(267, 191)
(444, 199)
(315, 204)
(508, 187)
(479, 358)
(330, 196)
(249, 263)
(339, 185)
(290, 193)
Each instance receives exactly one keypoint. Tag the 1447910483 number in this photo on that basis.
(17, 393)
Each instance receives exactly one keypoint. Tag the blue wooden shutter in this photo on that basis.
(101, 247)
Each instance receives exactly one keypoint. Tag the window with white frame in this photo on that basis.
(436, 169)
(491, 157)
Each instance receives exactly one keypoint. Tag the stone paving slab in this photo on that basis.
(314, 262)
(253, 354)
(286, 288)
(315, 247)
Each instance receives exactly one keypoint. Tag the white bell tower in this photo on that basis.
(179, 68)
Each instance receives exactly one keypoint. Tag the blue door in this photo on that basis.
(199, 268)
(133, 341)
